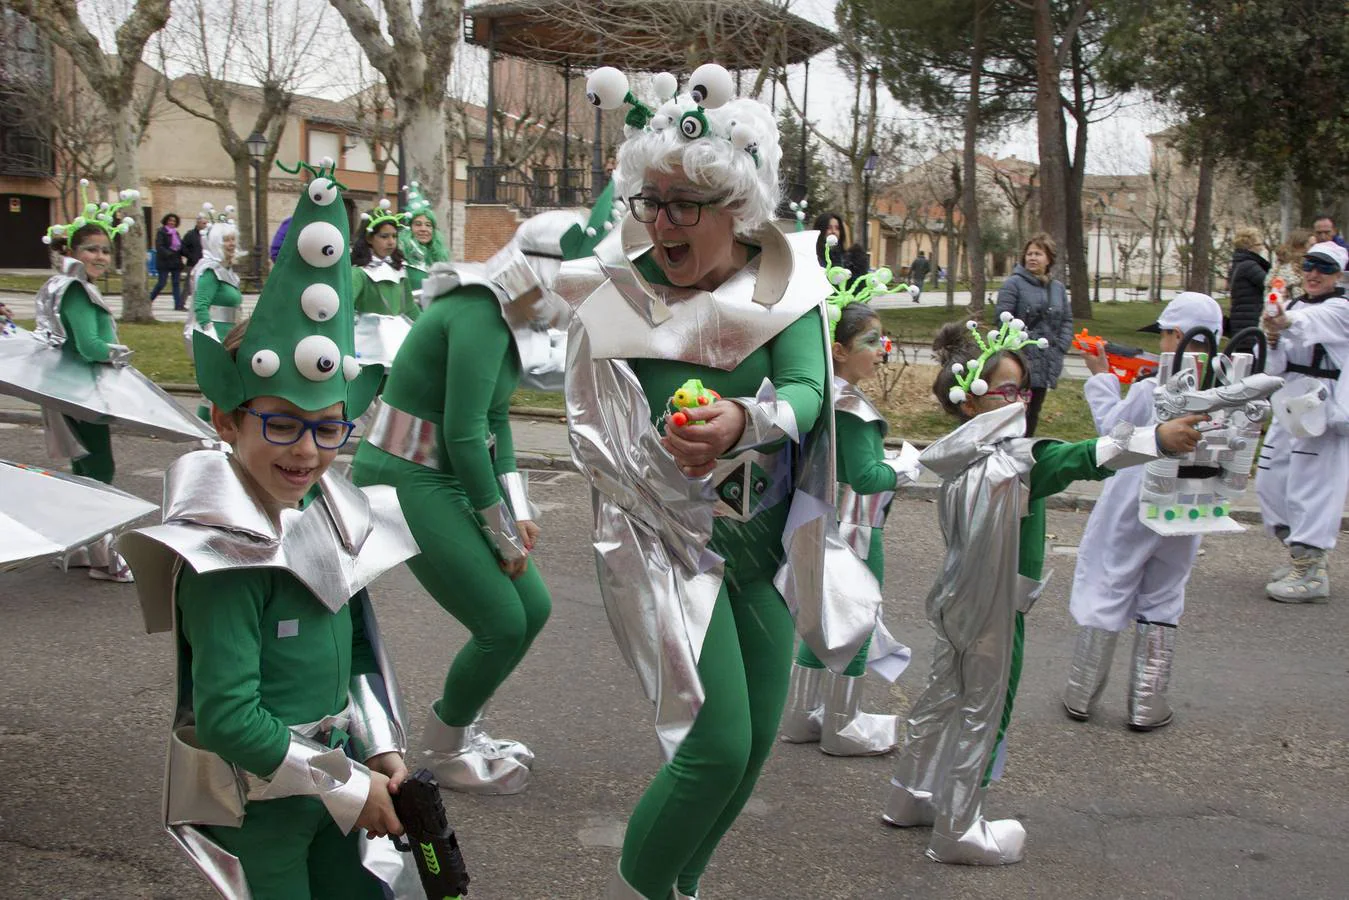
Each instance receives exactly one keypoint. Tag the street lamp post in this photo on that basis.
(257, 150)
(867, 168)
(1100, 217)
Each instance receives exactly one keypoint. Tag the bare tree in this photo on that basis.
(969, 200)
(1020, 194)
(266, 42)
(112, 77)
(377, 118)
(415, 58)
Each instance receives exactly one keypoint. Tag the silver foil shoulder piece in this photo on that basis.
(767, 419)
(47, 303)
(515, 488)
(848, 398)
(1127, 445)
(947, 457)
(310, 769)
(498, 526)
(373, 728)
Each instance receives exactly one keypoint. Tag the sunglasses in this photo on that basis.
(1320, 265)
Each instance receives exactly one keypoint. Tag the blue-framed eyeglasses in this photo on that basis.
(283, 429)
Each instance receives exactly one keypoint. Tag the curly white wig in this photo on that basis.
(713, 162)
(215, 239)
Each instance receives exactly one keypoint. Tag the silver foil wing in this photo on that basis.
(652, 527)
(378, 338)
(833, 596)
(45, 513)
(120, 396)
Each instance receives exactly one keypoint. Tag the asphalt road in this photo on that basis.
(1246, 795)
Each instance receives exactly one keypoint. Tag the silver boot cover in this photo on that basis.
(1089, 671)
(847, 731)
(1150, 676)
(619, 889)
(907, 808)
(473, 767)
(801, 720)
(1000, 842)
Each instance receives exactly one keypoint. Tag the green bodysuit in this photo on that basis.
(265, 654)
(457, 369)
(386, 298)
(211, 291)
(746, 656)
(859, 453)
(89, 331)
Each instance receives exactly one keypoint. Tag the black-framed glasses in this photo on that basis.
(1324, 266)
(283, 429)
(1011, 394)
(684, 213)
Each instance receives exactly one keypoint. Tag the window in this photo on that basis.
(324, 143)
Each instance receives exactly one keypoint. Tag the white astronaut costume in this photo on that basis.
(1127, 573)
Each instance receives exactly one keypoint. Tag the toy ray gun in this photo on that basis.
(1127, 363)
(691, 395)
(429, 837)
(1276, 297)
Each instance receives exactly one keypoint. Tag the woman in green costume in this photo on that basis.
(379, 278)
(216, 299)
(420, 243)
(698, 301)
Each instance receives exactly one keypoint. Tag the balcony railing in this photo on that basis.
(531, 191)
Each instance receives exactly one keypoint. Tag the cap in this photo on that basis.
(1188, 310)
(1329, 251)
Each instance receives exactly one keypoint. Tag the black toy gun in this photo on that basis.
(428, 836)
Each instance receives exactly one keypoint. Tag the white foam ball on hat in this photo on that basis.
(384, 203)
(993, 334)
(958, 368)
(606, 87)
(317, 357)
(665, 85)
(956, 395)
(129, 222)
(84, 182)
(742, 136)
(660, 122)
(1004, 316)
(327, 161)
(972, 325)
(1018, 325)
(839, 277)
(884, 275)
(800, 215)
(350, 368)
(831, 240)
(711, 86)
(265, 363)
(1042, 343)
(979, 387)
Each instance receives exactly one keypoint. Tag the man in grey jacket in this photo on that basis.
(1033, 296)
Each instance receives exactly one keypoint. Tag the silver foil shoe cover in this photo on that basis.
(846, 730)
(619, 889)
(801, 720)
(1150, 676)
(483, 741)
(1000, 842)
(461, 764)
(907, 808)
(1089, 671)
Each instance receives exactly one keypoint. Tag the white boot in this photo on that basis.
(473, 766)
(846, 730)
(1150, 676)
(1000, 842)
(1089, 671)
(1308, 579)
(801, 718)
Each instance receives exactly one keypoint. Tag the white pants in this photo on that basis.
(1301, 483)
(1125, 570)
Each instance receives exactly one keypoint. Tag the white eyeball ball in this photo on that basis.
(660, 122)
(979, 387)
(327, 162)
(839, 277)
(317, 357)
(1018, 325)
(957, 395)
(590, 231)
(831, 240)
(803, 204)
(265, 363)
(133, 194)
(229, 210)
(46, 239)
(972, 325)
(742, 136)
(1004, 316)
(319, 302)
(129, 222)
(883, 275)
(606, 87)
(207, 206)
(321, 244)
(693, 124)
(793, 206)
(609, 225)
(711, 86)
(665, 85)
(84, 182)
(993, 334)
(834, 313)
(384, 203)
(800, 215)
(958, 368)
(350, 368)
(322, 191)
(914, 291)
(1042, 343)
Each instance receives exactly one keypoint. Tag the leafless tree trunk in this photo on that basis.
(974, 242)
(1201, 266)
(415, 61)
(949, 204)
(112, 77)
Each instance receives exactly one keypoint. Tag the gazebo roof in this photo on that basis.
(644, 35)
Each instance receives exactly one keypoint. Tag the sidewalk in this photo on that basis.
(541, 444)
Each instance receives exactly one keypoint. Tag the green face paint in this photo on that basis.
(868, 340)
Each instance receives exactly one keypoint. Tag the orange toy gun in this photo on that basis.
(1275, 297)
(690, 395)
(1127, 363)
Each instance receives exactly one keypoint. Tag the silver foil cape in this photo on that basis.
(653, 524)
(223, 273)
(212, 523)
(378, 338)
(45, 513)
(40, 372)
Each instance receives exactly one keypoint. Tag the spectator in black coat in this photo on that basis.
(1246, 282)
(851, 257)
(192, 243)
(169, 259)
(918, 270)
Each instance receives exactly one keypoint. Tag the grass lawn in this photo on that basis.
(1113, 321)
(29, 284)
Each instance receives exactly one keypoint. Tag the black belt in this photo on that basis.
(1198, 472)
(1313, 370)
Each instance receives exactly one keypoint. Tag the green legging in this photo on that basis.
(461, 572)
(858, 666)
(696, 797)
(97, 439)
(291, 850)
(1013, 679)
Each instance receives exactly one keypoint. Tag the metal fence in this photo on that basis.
(536, 189)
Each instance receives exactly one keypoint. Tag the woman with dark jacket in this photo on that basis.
(1246, 280)
(1032, 296)
(854, 259)
(169, 258)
